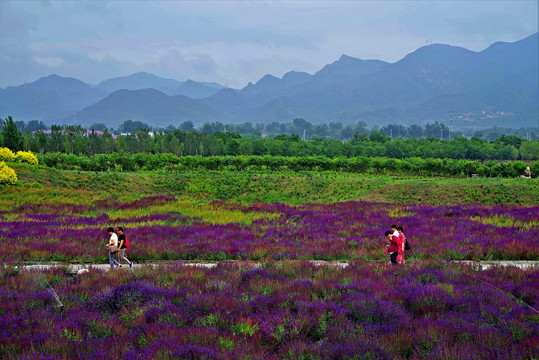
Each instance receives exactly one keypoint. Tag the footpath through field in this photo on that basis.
(75, 268)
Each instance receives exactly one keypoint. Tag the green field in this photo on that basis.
(41, 183)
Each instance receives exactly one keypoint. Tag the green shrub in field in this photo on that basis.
(6, 155)
(26, 157)
(7, 175)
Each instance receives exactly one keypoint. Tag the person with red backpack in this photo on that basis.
(123, 244)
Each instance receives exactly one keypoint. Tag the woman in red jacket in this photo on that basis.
(394, 242)
(402, 238)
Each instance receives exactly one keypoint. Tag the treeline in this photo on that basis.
(361, 164)
(76, 140)
(332, 130)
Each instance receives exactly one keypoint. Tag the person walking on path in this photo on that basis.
(394, 242)
(402, 238)
(122, 246)
(113, 247)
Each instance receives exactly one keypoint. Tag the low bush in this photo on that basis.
(6, 155)
(26, 157)
(7, 175)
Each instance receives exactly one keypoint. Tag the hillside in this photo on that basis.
(141, 105)
(288, 187)
(47, 99)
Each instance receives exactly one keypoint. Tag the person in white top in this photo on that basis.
(113, 247)
(394, 230)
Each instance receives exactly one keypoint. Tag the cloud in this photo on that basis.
(49, 61)
(237, 42)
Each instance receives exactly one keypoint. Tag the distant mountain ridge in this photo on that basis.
(496, 86)
(137, 81)
(48, 99)
(142, 80)
(142, 105)
(432, 72)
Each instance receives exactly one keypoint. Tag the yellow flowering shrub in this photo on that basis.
(27, 157)
(6, 154)
(7, 174)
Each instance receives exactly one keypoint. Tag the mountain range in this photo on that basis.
(498, 86)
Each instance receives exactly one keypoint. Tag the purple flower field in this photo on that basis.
(285, 310)
(337, 231)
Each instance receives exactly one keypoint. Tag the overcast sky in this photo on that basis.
(237, 42)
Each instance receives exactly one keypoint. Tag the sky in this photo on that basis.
(237, 42)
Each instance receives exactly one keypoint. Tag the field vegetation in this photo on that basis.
(270, 186)
(285, 310)
(270, 303)
(258, 215)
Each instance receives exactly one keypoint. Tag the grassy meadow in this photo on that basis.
(287, 187)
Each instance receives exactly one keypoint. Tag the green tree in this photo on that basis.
(130, 126)
(232, 147)
(378, 137)
(11, 135)
(246, 148)
(529, 150)
(260, 148)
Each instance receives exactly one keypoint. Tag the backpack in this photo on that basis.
(126, 243)
(407, 245)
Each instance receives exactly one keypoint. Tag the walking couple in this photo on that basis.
(117, 244)
(397, 245)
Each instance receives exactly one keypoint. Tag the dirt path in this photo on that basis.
(75, 268)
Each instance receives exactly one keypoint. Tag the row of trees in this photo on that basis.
(75, 140)
(377, 165)
(332, 130)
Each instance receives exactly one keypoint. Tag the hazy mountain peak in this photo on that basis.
(54, 79)
(141, 74)
(496, 44)
(296, 75)
(48, 98)
(140, 80)
(531, 43)
(435, 51)
(266, 79)
(346, 70)
(345, 57)
(149, 92)
(51, 77)
(195, 90)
